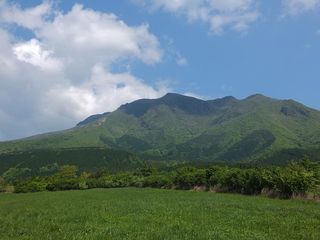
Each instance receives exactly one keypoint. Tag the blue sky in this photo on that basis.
(209, 48)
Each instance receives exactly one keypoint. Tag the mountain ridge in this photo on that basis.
(183, 128)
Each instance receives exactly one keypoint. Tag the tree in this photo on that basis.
(13, 175)
(67, 171)
(185, 177)
(49, 169)
(2, 185)
(147, 171)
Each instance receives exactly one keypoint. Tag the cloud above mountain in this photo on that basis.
(63, 73)
(61, 61)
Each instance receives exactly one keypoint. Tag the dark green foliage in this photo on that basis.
(158, 181)
(65, 179)
(2, 185)
(255, 142)
(32, 185)
(13, 175)
(147, 171)
(43, 162)
(49, 169)
(297, 179)
(254, 182)
(205, 144)
(132, 143)
(102, 172)
(285, 156)
(189, 177)
(63, 184)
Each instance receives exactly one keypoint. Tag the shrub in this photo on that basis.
(216, 176)
(184, 178)
(234, 181)
(13, 175)
(158, 181)
(253, 183)
(63, 184)
(296, 179)
(49, 169)
(2, 185)
(67, 171)
(32, 185)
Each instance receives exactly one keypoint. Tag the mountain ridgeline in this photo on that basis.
(257, 130)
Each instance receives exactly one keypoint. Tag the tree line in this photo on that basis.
(297, 179)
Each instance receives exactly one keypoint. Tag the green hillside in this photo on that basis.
(88, 159)
(176, 127)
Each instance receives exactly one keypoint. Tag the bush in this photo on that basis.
(189, 177)
(49, 169)
(296, 179)
(33, 185)
(63, 184)
(14, 175)
(253, 183)
(216, 176)
(2, 185)
(235, 181)
(158, 181)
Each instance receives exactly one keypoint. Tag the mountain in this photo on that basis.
(257, 129)
(92, 118)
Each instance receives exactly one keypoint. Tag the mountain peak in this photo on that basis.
(192, 105)
(177, 96)
(229, 98)
(258, 98)
(255, 96)
(170, 94)
(187, 104)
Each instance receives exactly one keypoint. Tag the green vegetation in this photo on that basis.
(300, 179)
(87, 159)
(131, 213)
(257, 130)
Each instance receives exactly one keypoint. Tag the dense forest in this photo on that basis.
(297, 179)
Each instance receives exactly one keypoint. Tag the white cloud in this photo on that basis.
(62, 74)
(32, 52)
(294, 7)
(103, 36)
(7, 63)
(219, 14)
(104, 91)
(29, 18)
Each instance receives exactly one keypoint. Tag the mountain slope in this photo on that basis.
(177, 127)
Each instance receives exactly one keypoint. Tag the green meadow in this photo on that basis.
(131, 213)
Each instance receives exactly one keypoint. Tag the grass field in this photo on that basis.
(154, 214)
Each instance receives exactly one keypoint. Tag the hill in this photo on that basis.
(257, 129)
